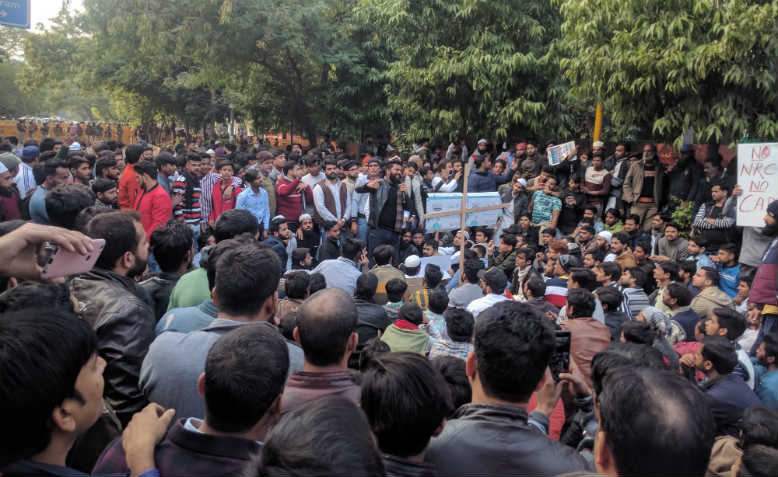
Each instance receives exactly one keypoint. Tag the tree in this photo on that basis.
(11, 43)
(480, 67)
(663, 67)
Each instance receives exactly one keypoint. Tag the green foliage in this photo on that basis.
(683, 214)
(663, 66)
(11, 43)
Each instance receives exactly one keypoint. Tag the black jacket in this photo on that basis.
(485, 439)
(399, 467)
(371, 319)
(278, 246)
(159, 286)
(125, 329)
(613, 320)
(378, 199)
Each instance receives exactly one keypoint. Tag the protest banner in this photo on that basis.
(451, 204)
(757, 175)
(442, 261)
(557, 154)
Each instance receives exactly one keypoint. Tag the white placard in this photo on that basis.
(452, 202)
(560, 152)
(757, 175)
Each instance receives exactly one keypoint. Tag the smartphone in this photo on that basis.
(560, 360)
(59, 262)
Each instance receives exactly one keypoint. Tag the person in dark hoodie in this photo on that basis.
(279, 231)
(611, 298)
(482, 179)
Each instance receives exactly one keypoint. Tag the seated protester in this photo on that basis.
(459, 335)
(729, 269)
(493, 283)
(65, 201)
(730, 324)
(535, 292)
(279, 231)
(296, 285)
(505, 258)
(411, 268)
(513, 345)
(330, 245)
(758, 461)
(740, 301)
(371, 318)
(318, 282)
(613, 222)
(173, 250)
(588, 335)
(594, 258)
(244, 376)
(608, 274)
(641, 252)
(395, 290)
(193, 318)
(326, 330)
(108, 301)
(245, 290)
(672, 247)
(528, 231)
(342, 272)
(330, 436)
(686, 276)
(521, 272)
(611, 302)
(582, 278)
(405, 334)
(470, 289)
(372, 349)
(677, 298)
(52, 397)
(664, 274)
(406, 247)
(711, 296)
(667, 332)
(698, 252)
(621, 252)
(435, 322)
(193, 288)
(453, 371)
(635, 434)
(633, 231)
(430, 248)
(432, 278)
(767, 370)
(403, 427)
(728, 394)
(302, 259)
(633, 281)
(384, 271)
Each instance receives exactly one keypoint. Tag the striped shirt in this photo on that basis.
(206, 187)
(556, 291)
(635, 299)
(188, 210)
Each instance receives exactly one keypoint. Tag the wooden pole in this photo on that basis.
(462, 224)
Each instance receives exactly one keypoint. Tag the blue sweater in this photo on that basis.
(488, 181)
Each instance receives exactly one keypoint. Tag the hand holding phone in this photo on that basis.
(560, 360)
(59, 262)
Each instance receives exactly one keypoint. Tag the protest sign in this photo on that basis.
(557, 154)
(757, 175)
(437, 203)
(443, 261)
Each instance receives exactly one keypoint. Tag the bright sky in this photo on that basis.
(42, 10)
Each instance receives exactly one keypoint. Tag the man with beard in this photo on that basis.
(106, 193)
(765, 286)
(407, 247)
(331, 197)
(307, 237)
(105, 168)
(389, 198)
(107, 299)
(767, 358)
(153, 203)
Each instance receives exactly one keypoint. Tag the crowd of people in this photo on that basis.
(276, 312)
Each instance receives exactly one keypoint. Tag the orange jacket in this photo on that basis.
(129, 188)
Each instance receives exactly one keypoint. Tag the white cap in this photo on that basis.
(75, 146)
(210, 151)
(482, 141)
(412, 261)
(598, 144)
(522, 181)
(606, 235)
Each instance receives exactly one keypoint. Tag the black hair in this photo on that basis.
(329, 436)
(395, 289)
(76, 161)
(759, 425)
(720, 352)
(405, 400)
(245, 372)
(645, 245)
(352, 248)
(432, 275)
(729, 247)
(639, 332)
(275, 224)
(250, 176)
(620, 354)
(689, 266)
(582, 301)
(287, 324)
(711, 274)
(584, 277)
(65, 201)
(215, 252)
(296, 284)
(234, 222)
(655, 422)
(509, 239)
(610, 297)
(438, 300)
(459, 324)
(639, 275)
(42, 352)
(759, 461)
(171, 244)
(680, 293)
(453, 371)
(318, 282)
(164, 159)
(734, 322)
(621, 237)
(325, 323)
(132, 153)
(148, 168)
(411, 312)
(472, 267)
(246, 277)
(614, 212)
(611, 269)
(383, 254)
(118, 231)
(770, 342)
(299, 254)
(87, 214)
(673, 225)
(102, 164)
(29, 294)
(366, 286)
(372, 348)
(536, 286)
(633, 217)
(513, 345)
(670, 268)
(549, 231)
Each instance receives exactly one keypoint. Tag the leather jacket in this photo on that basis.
(125, 329)
(159, 286)
(486, 439)
(378, 199)
(371, 318)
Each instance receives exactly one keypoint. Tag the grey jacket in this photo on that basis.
(633, 183)
(125, 328)
(378, 199)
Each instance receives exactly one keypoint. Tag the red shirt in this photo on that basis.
(155, 208)
(129, 188)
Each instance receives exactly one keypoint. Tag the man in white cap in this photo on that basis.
(413, 277)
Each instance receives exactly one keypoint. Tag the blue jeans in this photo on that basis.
(376, 237)
(362, 229)
(196, 231)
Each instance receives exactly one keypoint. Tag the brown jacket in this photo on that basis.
(329, 200)
(589, 337)
(633, 182)
(626, 260)
(708, 300)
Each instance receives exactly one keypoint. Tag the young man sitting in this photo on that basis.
(395, 289)
(405, 334)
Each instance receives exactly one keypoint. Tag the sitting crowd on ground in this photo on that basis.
(286, 312)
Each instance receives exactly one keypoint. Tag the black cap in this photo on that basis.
(494, 277)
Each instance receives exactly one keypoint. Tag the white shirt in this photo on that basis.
(480, 304)
(321, 208)
(311, 181)
(25, 180)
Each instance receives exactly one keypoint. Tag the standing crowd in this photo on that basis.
(275, 312)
